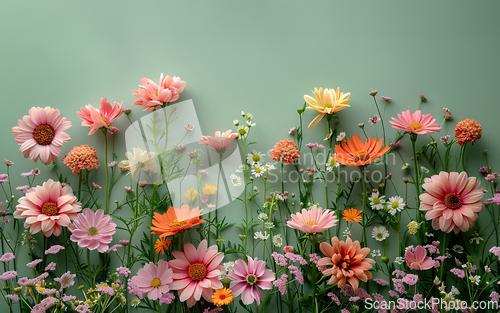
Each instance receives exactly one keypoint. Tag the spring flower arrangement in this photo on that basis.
(346, 235)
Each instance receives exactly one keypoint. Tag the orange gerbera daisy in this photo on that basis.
(162, 245)
(222, 297)
(352, 215)
(354, 152)
(175, 220)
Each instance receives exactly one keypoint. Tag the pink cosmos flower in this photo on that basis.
(220, 141)
(247, 280)
(96, 119)
(419, 260)
(452, 201)
(313, 221)
(48, 208)
(196, 272)
(93, 230)
(415, 123)
(41, 134)
(154, 280)
(152, 95)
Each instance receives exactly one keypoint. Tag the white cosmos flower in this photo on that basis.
(380, 233)
(376, 202)
(138, 160)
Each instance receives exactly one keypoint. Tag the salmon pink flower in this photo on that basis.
(415, 123)
(285, 150)
(196, 272)
(93, 230)
(48, 208)
(452, 201)
(151, 95)
(467, 131)
(97, 119)
(220, 141)
(81, 157)
(313, 221)
(41, 134)
(248, 280)
(349, 261)
(419, 260)
(154, 280)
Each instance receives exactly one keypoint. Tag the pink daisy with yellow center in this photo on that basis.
(415, 123)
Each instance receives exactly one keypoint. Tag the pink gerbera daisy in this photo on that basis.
(97, 119)
(196, 272)
(313, 221)
(154, 280)
(93, 230)
(41, 134)
(419, 260)
(48, 208)
(452, 201)
(415, 123)
(220, 141)
(247, 280)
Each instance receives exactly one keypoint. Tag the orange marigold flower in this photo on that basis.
(82, 157)
(162, 245)
(222, 297)
(285, 150)
(467, 131)
(352, 215)
(354, 152)
(175, 220)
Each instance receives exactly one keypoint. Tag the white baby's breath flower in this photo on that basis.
(346, 232)
(269, 225)
(458, 249)
(341, 136)
(399, 260)
(376, 253)
(250, 124)
(429, 234)
(261, 236)
(263, 216)
(277, 241)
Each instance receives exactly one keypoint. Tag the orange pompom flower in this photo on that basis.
(222, 297)
(285, 150)
(467, 131)
(175, 220)
(82, 157)
(354, 152)
(352, 215)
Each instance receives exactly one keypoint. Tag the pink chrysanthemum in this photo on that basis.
(154, 280)
(247, 280)
(41, 134)
(93, 230)
(313, 221)
(81, 157)
(151, 95)
(452, 201)
(48, 208)
(415, 123)
(220, 141)
(97, 119)
(286, 151)
(196, 272)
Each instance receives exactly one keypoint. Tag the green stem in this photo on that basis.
(105, 132)
(217, 235)
(91, 278)
(363, 215)
(413, 138)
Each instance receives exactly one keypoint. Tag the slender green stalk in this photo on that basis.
(105, 132)
(413, 138)
(363, 215)
(217, 234)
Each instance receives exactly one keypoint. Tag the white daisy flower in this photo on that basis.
(236, 180)
(255, 158)
(263, 216)
(240, 169)
(269, 167)
(258, 171)
(243, 131)
(475, 279)
(341, 136)
(261, 236)
(328, 135)
(377, 202)
(135, 302)
(277, 241)
(380, 233)
(395, 205)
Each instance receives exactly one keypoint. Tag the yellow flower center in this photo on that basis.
(242, 131)
(415, 126)
(311, 223)
(197, 271)
(256, 158)
(44, 134)
(361, 155)
(452, 201)
(395, 205)
(156, 282)
(93, 231)
(251, 279)
(257, 170)
(376, 200)
(176, 223)
(380, 235)
(49, 209)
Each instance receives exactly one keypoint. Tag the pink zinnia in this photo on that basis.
(93, 230)
(415, 123)
(154, 280)
(313, 221)
(220, 141)
(48, 208)
(96, 119)
(419, 260)
(151, 95)
(452, 201)
(247, 280)
(41, 134)
(196, 272)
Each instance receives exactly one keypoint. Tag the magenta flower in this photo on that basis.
(415, 123)
(93, 230)
(7, 257)
(154, 280)
(247, 280)
(419, 260)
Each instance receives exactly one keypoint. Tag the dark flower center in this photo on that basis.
(197, 271)
(360, 155)
(452, 201)
(251, 279)
(44, 134)
(49, 209)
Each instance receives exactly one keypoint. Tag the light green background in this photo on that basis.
(256, 56)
